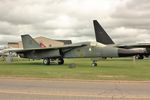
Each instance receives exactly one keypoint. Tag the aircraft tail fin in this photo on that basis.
(101, 35)
(28, 42)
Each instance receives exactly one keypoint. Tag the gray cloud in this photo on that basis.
(72, 19)
(7, 28)
(133, 13)
(130, 21)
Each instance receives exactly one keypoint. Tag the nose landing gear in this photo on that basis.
(94, 64)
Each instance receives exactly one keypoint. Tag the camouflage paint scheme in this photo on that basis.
(32, 50)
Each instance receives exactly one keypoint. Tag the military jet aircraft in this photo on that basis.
(32, 50)
(103, 37)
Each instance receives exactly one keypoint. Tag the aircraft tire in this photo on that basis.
(60, 61)
(94, 64)
(46, 61)
(140, 57)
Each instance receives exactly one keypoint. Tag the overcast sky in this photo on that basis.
(126, 21)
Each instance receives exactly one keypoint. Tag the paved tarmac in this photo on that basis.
(43, 89)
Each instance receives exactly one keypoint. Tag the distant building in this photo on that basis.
(41, 40)
(66, 42)
(13, 44)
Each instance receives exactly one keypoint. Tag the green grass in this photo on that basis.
(110, 69)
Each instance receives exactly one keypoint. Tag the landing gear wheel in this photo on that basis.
(94, 64)
(140, 57)
(46, 61)
(60, 61)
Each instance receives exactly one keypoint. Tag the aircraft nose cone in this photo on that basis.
(127, 52)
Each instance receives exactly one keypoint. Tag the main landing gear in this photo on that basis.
(60, 61)
(47, 61)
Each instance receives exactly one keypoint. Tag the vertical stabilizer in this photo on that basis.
(28, 42)
(101, 35)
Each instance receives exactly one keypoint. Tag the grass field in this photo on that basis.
(110, 69)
